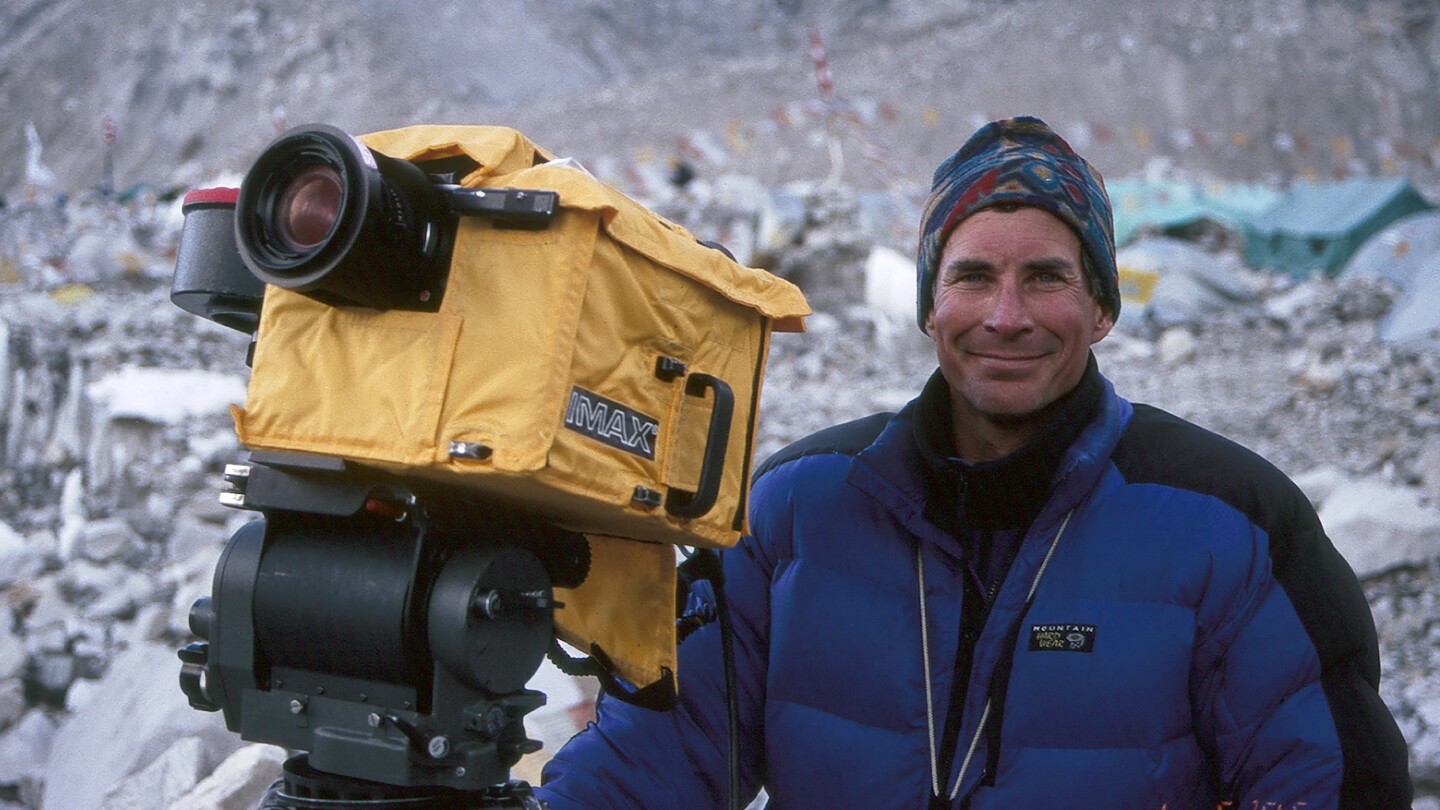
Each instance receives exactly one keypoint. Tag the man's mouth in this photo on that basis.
(1007, 361)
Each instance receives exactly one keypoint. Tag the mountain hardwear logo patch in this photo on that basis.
(1062, 637)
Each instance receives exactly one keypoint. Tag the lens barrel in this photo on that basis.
(322, 214)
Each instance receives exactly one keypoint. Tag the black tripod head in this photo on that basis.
(383, 626)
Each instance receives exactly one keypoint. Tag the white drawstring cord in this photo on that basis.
(925, 667)
(925, 650)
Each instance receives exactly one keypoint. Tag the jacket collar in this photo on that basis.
(1005, 493)
(1054, 471)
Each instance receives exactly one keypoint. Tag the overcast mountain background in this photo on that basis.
(195, 87)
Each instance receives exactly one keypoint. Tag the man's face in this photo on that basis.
(1013, 319)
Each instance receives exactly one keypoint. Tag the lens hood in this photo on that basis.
(322, 214)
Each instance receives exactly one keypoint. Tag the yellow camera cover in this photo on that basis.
(581, 371)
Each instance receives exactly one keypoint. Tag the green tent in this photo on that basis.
(1174, 207)
(1316, 227)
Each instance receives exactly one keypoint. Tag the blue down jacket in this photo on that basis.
(1193, 639)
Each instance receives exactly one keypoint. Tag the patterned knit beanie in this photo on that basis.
(1022, 161)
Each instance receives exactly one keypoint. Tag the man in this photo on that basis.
(1021, 591)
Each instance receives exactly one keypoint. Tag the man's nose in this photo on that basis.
(1009, 310)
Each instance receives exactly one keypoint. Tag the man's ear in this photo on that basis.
(930, 322)
(1104, 322)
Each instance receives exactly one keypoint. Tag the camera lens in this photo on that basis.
(321, 214)
(309, 208)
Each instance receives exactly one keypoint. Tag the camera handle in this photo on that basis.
(685, 504)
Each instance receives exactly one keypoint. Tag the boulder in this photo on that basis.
(890, 283)
(1427, 465)
(136, 715)
(1379, 526)
(193, 538)
(160, 783)
(1177, 346)
(11, 541)
(12, 701)
(12, 652)
(46, 606)
(238, 783)
(106, 540)
(25, 748)
(19, 559)
(166, 396)
(1320, 483)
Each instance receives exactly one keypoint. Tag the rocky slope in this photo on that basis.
(1248, 88)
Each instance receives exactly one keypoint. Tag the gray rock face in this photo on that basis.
(130, 722)
(172, 775)
(195, 86)
(1379, 527)
(235, 785)
(24, 751)
(106, 540)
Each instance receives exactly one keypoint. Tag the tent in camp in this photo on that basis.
(1397, 252)
(1175, 208)
(1319, 226)
(1415, 317)
(1191, 283)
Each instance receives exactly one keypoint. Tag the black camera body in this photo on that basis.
(322, 214)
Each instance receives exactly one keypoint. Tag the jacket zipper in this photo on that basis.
(925, 662)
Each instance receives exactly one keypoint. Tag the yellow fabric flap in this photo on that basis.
(505, 152)
(498, 150)
(670, 245)
(626, 605)
(359, 383)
